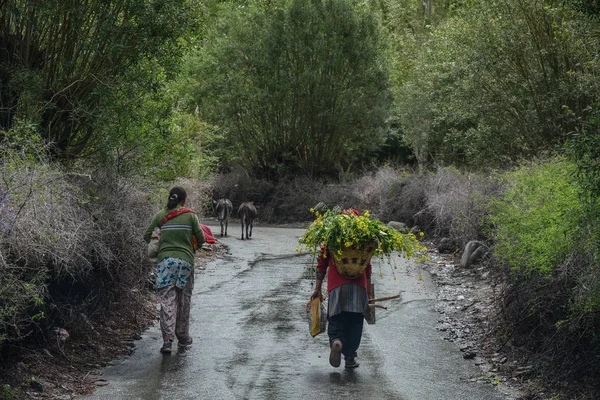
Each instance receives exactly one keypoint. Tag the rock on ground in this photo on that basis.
(465, 303)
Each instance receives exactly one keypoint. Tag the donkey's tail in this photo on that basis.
(223, 214)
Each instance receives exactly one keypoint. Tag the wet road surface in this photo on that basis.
(251, 338)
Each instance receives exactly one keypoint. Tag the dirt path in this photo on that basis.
(252, 338)
(465, 305)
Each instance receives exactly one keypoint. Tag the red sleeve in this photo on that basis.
(323, 261)
(369, 271)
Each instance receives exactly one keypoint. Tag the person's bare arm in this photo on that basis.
(317, 291)
(321, 270)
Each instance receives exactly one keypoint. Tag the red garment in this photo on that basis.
(334, 279)
(208, 235)
(175, 213)
(351, 212)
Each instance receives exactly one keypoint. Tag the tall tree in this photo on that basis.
(297, 86)
(64, 63)
(500, 81)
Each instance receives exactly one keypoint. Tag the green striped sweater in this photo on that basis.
(176, 235)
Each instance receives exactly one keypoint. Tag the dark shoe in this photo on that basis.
(166, 348)
(351, 363)
(185, 343)
(335, 355)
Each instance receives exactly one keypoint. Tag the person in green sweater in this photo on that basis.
(180, 235)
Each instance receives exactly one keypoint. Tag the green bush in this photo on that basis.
(537, 219)
(8, 393)
(546, 231)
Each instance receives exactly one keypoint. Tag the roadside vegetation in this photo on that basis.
(464, 120)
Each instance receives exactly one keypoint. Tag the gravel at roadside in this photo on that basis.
(467, 308)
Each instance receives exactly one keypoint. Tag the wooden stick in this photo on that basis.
(377, 306)
(384, 298)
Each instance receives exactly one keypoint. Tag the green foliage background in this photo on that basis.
(297, 87)
(499, 81)
(91, 80)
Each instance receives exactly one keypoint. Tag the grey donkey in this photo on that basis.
(224, 209)
(247, 213)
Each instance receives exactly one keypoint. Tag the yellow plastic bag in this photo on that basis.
(317, 316)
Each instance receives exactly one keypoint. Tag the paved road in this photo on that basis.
(251, 338)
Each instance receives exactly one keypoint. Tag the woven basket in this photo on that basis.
(353, 262)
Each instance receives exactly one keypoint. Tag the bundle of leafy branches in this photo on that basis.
(339, 229)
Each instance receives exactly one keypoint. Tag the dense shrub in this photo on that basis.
(449, 202)
(71, 245)
(537, 219)
(547, 237)
(457, 203)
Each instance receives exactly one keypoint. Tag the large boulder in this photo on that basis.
(474, 251)
(448, 246)
(399, 226)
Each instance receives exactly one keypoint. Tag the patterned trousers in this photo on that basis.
(175, 304)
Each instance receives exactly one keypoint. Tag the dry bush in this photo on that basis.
(51, 227)
(410, 203)
(372, 190)
(281, 202)
(447, 203)
(74, 242)
(552, 321)
(392, 195)
(198, 194)
(382, 192)
(285, 201)
(337, 195)
(457, 203)
(239, 187)
(292, 200)
(375, 192)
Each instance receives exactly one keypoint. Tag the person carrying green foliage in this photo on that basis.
(348, 301)
(180, 235)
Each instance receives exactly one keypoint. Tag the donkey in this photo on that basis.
(247, 213)
(224, 209)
